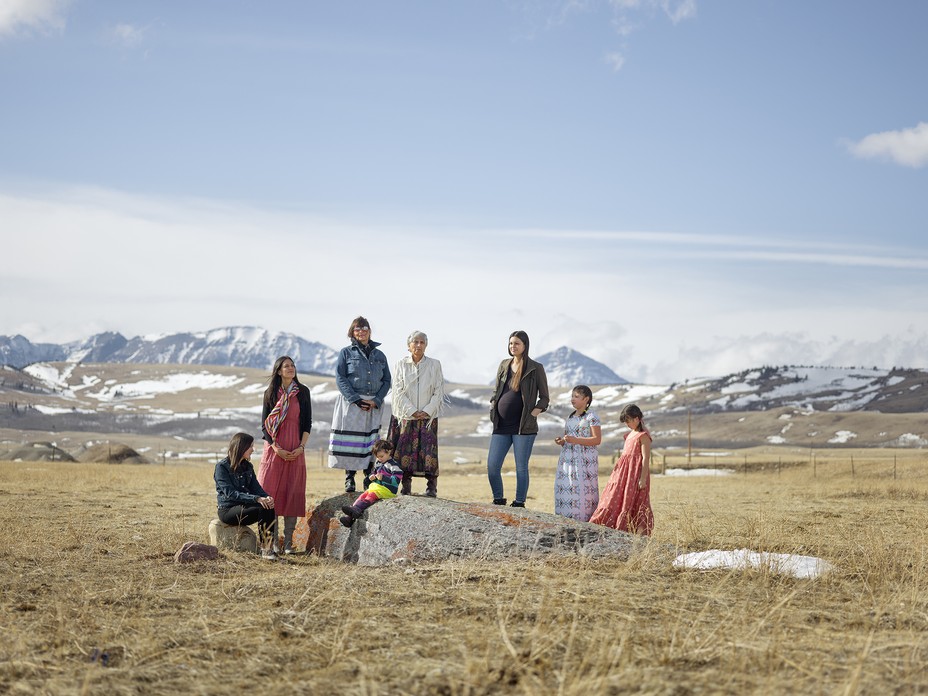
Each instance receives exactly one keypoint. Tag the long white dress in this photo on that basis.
(576, 485)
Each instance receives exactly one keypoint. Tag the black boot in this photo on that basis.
(346, 521)
(431, 487)
(516, 503)
(352, 511)
(349, 482)
(499, 501)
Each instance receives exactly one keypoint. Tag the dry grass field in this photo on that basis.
(93, 603)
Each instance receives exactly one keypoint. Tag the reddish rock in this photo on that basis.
(192, 551)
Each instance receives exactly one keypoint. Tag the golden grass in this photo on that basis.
(86, 570)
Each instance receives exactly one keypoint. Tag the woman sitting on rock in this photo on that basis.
(240, 498)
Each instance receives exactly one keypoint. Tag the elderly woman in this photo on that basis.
(362, 376)
(417, 397)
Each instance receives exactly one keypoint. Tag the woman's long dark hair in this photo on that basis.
(273, 384)
(238, 445)
(517, 374)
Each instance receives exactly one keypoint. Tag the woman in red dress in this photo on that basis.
(286, 418)
(626, 501)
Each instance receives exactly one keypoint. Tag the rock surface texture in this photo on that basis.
(226, 536)
(420, 529)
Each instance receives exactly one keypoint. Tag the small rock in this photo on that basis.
(192, 551)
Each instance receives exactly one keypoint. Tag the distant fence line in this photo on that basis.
(830, 464)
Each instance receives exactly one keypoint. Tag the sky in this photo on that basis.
(676, 188)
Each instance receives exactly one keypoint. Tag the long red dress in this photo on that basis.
(623, 505)
(285, 481)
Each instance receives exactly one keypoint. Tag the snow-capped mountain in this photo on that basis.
(18, 351)
(238, 346)
(566, 367)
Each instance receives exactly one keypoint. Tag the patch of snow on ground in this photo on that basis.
(253, 389)
(910, 440)
(914, 387)
(743, 401)
(842, 436)
(696, 472)
(713, 454)
(619, 395)
(169, 384)
(744, 559)
(325, 392)
(776, 439)
(737, 388)
(461, 394)
(893, 381)
(57, 410)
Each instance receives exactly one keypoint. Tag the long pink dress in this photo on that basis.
(622, 505)
(285, 481)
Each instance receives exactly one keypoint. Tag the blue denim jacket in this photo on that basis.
(236, 487)
(357, 375)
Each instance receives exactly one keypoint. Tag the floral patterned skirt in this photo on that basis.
(416, 443)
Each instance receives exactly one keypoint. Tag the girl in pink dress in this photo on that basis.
(287, 418)
(626, 501)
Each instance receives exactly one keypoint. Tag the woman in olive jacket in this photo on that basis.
(520, 396)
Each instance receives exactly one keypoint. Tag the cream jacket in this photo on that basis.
(417, 387)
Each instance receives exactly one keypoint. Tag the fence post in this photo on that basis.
(814, 467)
(852, 466)
(894, 467)
(779, 464)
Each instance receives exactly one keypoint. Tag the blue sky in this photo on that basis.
(675, 188)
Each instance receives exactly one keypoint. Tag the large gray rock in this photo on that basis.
(417, 528)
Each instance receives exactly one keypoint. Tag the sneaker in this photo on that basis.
(346, 520)
(499, 501)
(516, 503)
(269, 555)
(289, 552)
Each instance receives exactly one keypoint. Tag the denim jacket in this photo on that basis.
(358, 375)
(236, 487)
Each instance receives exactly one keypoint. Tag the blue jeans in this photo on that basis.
(499, 447)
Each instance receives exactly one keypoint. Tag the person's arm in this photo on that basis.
(541, 381)
(645, 461)
(341, 377)
(385, 382)
(265, 411)
(402, 404)
(437, 385)
(306, 414)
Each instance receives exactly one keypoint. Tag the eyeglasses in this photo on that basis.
(361, 328)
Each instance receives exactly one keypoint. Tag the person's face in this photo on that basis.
(516, 347)
(248, 452)
(381, 456)
(362, 333)
(579, 401)
(632, 422)
(417, 347)
(287, 370)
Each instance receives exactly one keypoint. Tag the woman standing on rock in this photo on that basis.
(363, 379)
(240, 499)
(417, 397)
(286, 420)
(520, 396)
(626, 501)
(576, 484)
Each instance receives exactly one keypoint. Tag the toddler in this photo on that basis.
(385, 482)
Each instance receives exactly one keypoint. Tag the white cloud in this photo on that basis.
(32, 15)
(635, 301)
(908, 147)
(678, 11)
(615, 60)
(128, 35)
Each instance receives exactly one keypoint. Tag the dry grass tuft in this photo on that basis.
(92, 601)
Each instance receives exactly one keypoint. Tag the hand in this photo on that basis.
(536, 412)
(641, 484)
(267, 503)
(420, 415)
(560, 441)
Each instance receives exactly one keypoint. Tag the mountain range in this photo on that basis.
(248, 346)
(236, 346)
